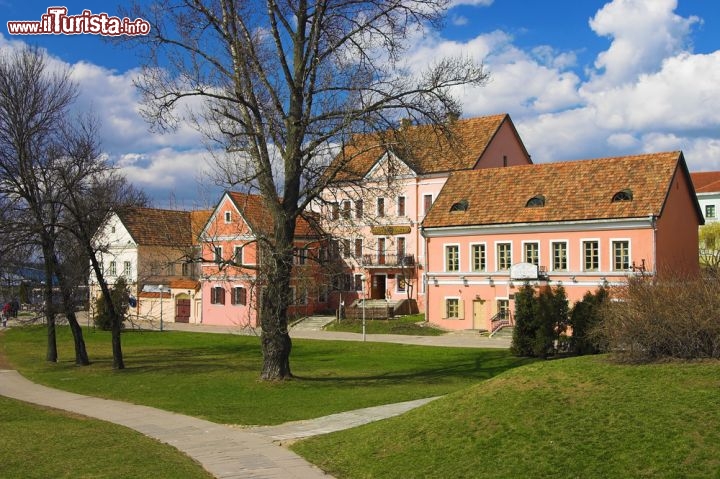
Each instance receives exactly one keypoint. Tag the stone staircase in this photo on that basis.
(505, 332)
(312, 323)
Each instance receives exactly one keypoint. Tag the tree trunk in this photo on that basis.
(118, 362)
(49, 310)
(81, 355)
(276, 342)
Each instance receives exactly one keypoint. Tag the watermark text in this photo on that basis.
(57, 22)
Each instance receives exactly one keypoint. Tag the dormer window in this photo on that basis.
(461, 205)
(623, 195)
(537, 201)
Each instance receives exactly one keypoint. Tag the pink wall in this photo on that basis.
(506, 144)
(489, 286)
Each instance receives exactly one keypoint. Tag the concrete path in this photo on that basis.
(224, 451)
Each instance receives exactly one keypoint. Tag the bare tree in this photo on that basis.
(282, 85)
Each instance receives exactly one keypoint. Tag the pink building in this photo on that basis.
(387, 183)
(579, 224)
(230, 275)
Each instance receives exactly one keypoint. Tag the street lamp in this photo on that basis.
(362, 284)
(161, 308)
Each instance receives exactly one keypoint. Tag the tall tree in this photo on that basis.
(34, 102)
(282, 84)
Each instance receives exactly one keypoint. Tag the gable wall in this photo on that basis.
(505, 143)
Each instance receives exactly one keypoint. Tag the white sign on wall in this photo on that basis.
(524, 271)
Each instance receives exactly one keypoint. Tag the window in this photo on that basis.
(621, 255)
(380, 207)
(477, 255)
(218, 254)
(559, 254)
(112, 270)
(187, 269)
(591, 256)
(334, 249)
(381, 250)
(400, 249)
(346, 248)
(217, 295)
(239, 296)
(461, 205)
(127, 269)
(359, 209)
(504, 256)
(531, 253)
(112, 230)
(401, 206)
(503, 308)
(238, 256)
(358, 248)
(536, 202)
(302, 255)
(358, 282)
(452, 258)
(401, 283)
(710, 211)
(302, 297)
(335, 215)
(427, 203)
(452, 308)
(228, 217)
(623, 195)
(346, 209)
(323, 294)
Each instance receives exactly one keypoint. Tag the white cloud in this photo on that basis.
(483, 3)
(459, 20)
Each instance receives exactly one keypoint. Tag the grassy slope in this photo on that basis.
(402, 325)
(41, 443)
(216, 376)
(580, 417)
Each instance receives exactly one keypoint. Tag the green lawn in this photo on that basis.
(401, 325)
(40, 443)
(572, 418)
(215, 376)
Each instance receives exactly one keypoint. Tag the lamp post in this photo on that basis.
(362, 282)
(161, 308)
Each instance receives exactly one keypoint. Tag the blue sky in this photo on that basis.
(580, 79)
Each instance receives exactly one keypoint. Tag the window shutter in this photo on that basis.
(461, 309)
(243, 296)
(443, 309)
(221, 292)
(233, 296)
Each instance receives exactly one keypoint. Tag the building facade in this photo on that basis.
(387, 184)
(581, 224)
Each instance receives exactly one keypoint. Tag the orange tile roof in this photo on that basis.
(198, 220)
(156, 227)
(706, 181)
(424, 148)
(573, 191)
(257, 216)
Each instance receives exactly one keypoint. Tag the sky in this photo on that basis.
(580, 79)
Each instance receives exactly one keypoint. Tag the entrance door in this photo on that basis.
(479, 315)
(182, 311)
(379, 283)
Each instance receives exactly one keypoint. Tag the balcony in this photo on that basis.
(388, 261)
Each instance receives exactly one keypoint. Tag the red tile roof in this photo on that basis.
(572, 191)
(253, 210)
(706, 181)
(425, 148)
(157, 227)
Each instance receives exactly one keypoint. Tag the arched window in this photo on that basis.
(623, 195)
(461, 205)
(537, 201)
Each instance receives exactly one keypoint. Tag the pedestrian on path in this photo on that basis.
(6, 313)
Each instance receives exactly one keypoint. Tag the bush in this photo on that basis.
(656, 319)
(586, 317)
(119, 294)
(540, 321)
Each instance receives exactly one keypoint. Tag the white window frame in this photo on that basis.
(432, 200)
(112, 269)
(445, 257)
(217, 254)
(346, 209)
(237, 248)
(460, 305)
(127, 269)
(471, 266)
(397, 247)
(582, 254)
(397, 206)
(397, 283)
(707, 211)
(612, 254)
(551, 266)
(539, 254)
(380, 199)
(497, 255)
(228, 217)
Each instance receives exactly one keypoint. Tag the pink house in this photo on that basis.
(579, 224)
(231, 256)
(387, 183)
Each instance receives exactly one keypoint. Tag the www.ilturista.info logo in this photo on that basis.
(57, 22)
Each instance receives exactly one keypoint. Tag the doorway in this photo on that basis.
(379, 285)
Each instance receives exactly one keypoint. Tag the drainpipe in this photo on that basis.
(653, 223)
(425, 276)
